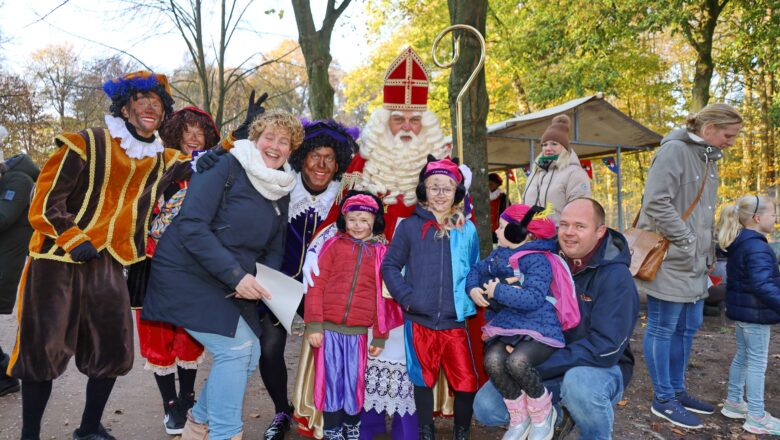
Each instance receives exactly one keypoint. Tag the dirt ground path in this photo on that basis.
(135, 409)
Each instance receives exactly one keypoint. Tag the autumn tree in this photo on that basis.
(315, 45)
(57, 70)
(21, 112)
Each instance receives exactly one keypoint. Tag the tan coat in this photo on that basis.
(673, 180)
(564, 181)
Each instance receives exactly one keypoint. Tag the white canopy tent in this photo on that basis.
(599, 130)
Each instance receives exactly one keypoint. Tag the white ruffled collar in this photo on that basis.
(133, 147)
(302, 200)
(495, 194)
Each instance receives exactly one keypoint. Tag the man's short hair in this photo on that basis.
(598, 211)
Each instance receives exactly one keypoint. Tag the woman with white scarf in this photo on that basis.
(203, 273)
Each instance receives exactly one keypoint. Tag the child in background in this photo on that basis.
(435, 248)
(522, 327)
(347, 299)
(753, 302)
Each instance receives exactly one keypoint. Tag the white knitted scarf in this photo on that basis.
(272, 184)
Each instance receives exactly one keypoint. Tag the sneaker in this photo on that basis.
(674, 412)
(692, 404)
(764, 425)
(734, 410)
(174, 419)
(278, 427)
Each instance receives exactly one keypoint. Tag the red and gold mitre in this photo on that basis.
(406, 83)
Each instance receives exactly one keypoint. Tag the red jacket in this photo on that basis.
(345, 293)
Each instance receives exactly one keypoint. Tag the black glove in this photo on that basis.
(253, 110)
(84, 252)
(208, 159)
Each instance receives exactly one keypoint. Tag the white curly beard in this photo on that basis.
(393, 166)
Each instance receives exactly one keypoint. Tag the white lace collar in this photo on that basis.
(134, 148)
(302, 200)
(494, 194)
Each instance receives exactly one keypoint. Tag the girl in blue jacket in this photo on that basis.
(425, 270)
(522, 328)
(753, 301)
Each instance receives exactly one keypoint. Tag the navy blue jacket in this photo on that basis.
(425, 288)
(526, 307)
(215, 240)
(609, 308)
(753, 280)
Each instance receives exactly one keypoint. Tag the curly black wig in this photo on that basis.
(326, 133)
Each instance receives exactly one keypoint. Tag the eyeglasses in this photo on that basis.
(436, 190)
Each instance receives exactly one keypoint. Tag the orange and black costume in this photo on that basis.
(88, 190)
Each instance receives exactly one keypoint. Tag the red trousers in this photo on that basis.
(165, 346)
(430, 350)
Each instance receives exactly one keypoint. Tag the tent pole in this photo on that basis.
(577, 124)
(619, 191)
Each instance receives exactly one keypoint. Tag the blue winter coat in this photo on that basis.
(526, 308)
(219, 234)
(609, 308)
(753, 280)
(432, 287)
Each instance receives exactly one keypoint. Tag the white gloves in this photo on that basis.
(310, 269)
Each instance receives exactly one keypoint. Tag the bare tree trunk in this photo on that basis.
(746, 152)
(700, 35)
(315, 45)
(475, 110)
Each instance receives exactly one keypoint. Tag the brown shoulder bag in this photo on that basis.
(648, 248)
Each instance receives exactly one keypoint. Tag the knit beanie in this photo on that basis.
(558, 131)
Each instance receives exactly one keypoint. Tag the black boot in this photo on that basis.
(460, 432)
(8, 384)
(428, 432)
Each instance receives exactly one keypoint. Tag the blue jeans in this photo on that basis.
(668, 341)
(589, 393)
(221, 401)
(749, 366)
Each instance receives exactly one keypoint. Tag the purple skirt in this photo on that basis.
(340, 372)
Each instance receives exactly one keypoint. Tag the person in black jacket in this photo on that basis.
(202, 277)
(753, 302)
(17, 178)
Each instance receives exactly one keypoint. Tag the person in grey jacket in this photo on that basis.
(675, 298)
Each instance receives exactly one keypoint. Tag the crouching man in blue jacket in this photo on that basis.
(587, 376)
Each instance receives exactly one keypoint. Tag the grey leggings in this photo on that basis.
(513, 373)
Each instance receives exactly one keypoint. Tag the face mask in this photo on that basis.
(545, 161)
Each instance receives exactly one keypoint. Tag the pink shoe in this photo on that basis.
(542, 417)
(519, 422)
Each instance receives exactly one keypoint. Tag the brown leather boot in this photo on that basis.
(196, 431)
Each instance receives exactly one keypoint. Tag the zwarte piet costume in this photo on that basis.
(89, 212)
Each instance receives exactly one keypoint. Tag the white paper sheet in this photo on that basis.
(286, 294)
